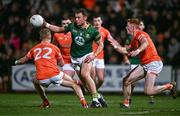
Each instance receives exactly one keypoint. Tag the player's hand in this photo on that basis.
(115, 44)
(89, 58)
(45, 24)
(134, 53)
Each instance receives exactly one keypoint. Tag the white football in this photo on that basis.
(36, 20)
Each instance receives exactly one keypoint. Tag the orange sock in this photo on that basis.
(168, 86)
(83, 102)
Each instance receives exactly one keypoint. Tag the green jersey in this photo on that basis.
(133, 60)
(82, 39)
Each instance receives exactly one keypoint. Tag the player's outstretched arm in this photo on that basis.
(21, 60)
(119, 48)
(53, 28)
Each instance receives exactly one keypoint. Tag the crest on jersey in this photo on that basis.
(87, 35)
(79, 40)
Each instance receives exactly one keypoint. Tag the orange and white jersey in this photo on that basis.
(64, 41)
(149, 54)
(45, 56)
(104, 35)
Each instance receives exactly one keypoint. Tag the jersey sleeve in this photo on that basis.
(97, 35)
(107, 34)
(59, 56)
(140, 36)
(58, 53)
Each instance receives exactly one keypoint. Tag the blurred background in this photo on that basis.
(17, 36)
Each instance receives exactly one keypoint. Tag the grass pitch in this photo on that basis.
(68, 105)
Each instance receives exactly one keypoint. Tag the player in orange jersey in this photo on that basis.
(63, 41)
(134, 61)
(46, 57)
(151, 64)
(98, 65)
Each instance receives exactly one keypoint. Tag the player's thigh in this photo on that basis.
(134, 75)
(69, 70)
(100, 66)
(93, 73)
(67, 77)
(67, 81)
(86, 68)
(70, 73)
(149, 81)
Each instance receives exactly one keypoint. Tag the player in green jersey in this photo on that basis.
(134, 61)
(82, 55)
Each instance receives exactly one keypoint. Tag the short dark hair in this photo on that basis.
(65, 18)
(96, 16)
(83, 11)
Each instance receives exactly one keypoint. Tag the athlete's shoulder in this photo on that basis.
(91, 27)
(103, 29)
(57, 35)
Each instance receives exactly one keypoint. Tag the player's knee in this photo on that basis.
(101, 80)
(84, 74)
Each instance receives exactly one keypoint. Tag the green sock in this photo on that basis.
(95, 95)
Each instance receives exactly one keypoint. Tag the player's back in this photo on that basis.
(45, 56)
(104, 35)
(64, 42)
(150, 53)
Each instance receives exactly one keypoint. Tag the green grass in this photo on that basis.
(68, 105)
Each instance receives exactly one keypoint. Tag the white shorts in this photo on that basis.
(76, 62)
(56, 80)
(132, 66)
(67, 67)
(153, 67)
(98, 63)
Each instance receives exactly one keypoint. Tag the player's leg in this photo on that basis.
(80, 82)
(69, 70)
(100, 72)
(154, 68)
(132, 66)
(68, 82)
(150, 89)
(93, 72)
(132, 77)
(86, 76)
(40, 90)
